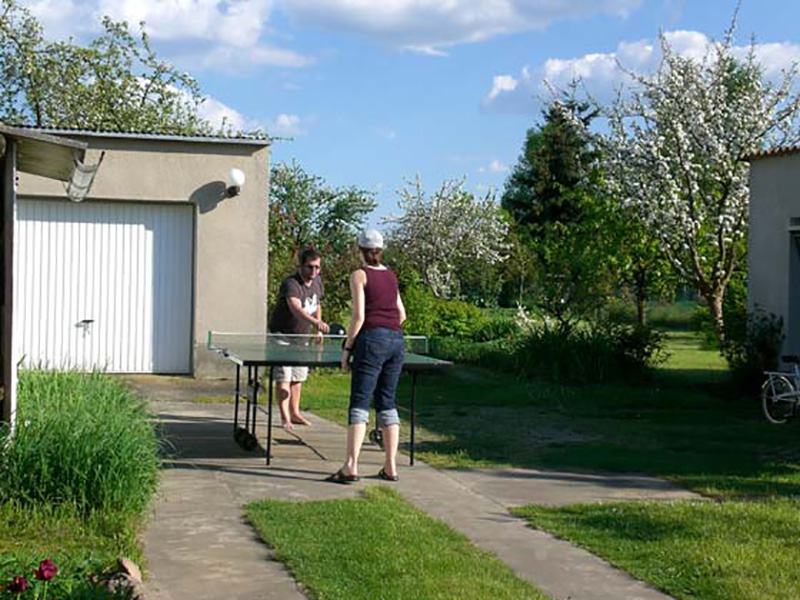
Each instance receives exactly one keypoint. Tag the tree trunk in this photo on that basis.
(640, 291)
(641, 309)
(714, 299)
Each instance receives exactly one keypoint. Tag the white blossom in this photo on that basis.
(678, 155)
(447, 229)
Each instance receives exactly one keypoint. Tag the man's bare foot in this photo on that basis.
(300, 420)
(287, 425)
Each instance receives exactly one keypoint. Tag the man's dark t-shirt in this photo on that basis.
(283, 321)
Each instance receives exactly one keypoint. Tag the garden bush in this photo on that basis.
(585, 355)
(496, 329)
(495, 354)
(753, 341)
(81, 440)
(432, 316)
(582, 355)
(752, 338)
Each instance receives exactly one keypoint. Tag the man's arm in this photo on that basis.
(299, 313)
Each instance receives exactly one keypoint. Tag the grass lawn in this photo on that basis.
(380, 546)
(75, 482)
(713, 551)
(686, 424)
(81, 548)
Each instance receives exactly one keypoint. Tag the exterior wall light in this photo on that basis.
(235, 182)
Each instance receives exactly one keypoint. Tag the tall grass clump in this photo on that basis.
(81, 440)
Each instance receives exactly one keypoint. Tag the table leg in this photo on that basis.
(249, 398)
(413, 411)
(256, 386)
(236, 401)
(269, 419)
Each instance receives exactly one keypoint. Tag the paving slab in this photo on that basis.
(198, 545)
(515, 487)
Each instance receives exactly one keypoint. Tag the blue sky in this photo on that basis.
(372, 93)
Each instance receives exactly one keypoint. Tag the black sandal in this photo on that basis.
(382, 474)
(340, 477)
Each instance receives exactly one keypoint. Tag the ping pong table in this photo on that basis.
(249, 352)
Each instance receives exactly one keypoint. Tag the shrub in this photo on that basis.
(590, 355)
(752, 338)
(496, 329)
(432, 316)
(581, 355)
(751, 347)
(495, 354)
(456, 318)
(81, 440)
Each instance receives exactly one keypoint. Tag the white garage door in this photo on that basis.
(104, 286)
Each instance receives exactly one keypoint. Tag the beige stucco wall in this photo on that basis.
(230, 278)
(774, 284)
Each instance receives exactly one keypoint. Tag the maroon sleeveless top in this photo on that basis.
(380, 300)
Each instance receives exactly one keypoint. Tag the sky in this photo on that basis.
(372, 93)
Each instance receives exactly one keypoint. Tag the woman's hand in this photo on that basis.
(345, 361)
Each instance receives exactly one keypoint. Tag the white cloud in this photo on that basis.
(430, 25)
(290, 125)
(63, 18)
(209, 33)
(230, 35)
(601, 74)
(219, 115)
(776, 57)
(502, 84)
(494, 166)
(235, 59)
(231, 23)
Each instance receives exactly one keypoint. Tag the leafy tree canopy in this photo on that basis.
(116, 83)
(558, 157)
(305, 211)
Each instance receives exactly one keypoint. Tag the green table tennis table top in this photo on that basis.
(269, 352)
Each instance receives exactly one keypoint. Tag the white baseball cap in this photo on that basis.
(370, 239)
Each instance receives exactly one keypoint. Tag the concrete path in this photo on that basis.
(198, 545)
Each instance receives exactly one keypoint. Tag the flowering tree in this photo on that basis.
(678, 156)
(445, 233)
(116, 82)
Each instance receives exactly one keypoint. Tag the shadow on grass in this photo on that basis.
(682, 425)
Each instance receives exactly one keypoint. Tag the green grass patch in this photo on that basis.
(728, 551)
(380, 546)
(75, 481)
(685, 424)
(82, 548)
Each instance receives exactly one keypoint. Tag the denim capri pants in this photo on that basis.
(378, 356)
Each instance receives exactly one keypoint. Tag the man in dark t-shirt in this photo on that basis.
(298, 311)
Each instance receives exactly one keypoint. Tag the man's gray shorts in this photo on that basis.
(290, 374)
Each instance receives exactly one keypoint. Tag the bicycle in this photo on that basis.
(780, 393)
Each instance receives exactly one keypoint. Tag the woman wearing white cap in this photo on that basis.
(374, 351)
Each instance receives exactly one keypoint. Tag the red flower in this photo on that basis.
(18, 585)
(46, 571)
